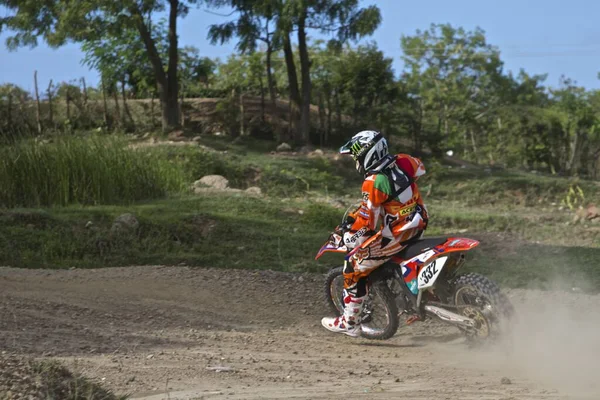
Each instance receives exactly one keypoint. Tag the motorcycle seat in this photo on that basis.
(418, 246)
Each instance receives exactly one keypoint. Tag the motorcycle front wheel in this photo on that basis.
(380, 318)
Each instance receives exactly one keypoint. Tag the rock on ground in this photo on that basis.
(125, 223)
(284, 147)
(254, 190)
(213, 181)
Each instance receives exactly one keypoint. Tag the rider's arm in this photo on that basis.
(368, 215)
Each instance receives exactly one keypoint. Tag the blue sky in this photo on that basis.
(541, 36)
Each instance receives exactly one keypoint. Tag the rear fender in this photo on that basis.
(427, 266)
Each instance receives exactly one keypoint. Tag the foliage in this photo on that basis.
(60, 21)
(574, 198)
(452, 95)
(123, 59)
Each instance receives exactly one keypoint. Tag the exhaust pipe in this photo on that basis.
(449, 316)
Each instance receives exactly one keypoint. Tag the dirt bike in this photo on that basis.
(421, 281)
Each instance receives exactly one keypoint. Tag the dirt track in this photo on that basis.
(179, 333)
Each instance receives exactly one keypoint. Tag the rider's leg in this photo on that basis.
(355, 295)
(356, 272)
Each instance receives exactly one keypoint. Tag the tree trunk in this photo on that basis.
(295, 101)
(262, 99)
(50, 105)
(172, 82)
(446, 127)
(242, 127)
(167, 91)
(181, 108)
(125, 105)
(152, 110)
(269, 54)
(322, 111)
(270, 80)
(338, 111)
(38, 112)
(117, 107)
(291, 120)
(306, 83)
(576, 152)
(329, 113)
(474, 144)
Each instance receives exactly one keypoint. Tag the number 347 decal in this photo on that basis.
(429, 274)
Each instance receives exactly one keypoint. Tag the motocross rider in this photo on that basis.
(390, 201)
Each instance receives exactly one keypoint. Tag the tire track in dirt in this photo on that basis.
(183, 333)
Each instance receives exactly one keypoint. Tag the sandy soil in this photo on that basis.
(182, 333)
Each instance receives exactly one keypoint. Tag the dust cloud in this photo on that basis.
(554, 340)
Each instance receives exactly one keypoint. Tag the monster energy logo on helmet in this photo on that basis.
(367, 148)
(357, 148)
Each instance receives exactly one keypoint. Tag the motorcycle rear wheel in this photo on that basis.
(480, 298)
(380, 319)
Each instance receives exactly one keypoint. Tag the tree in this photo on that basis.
(342, 18)
(59, 21)
(274, 21)
(124, 59)
(256, 23)
(455, 76)
(579, 121)
(358, 82)
(194, 69)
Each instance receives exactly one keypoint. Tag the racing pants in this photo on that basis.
(372, 254)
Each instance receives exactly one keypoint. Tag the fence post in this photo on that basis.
(85, 100)
(242, 127)
(104, 105)
(38, 112)
(68, 98)
(85, 94)
(9, 107)
(51, 109)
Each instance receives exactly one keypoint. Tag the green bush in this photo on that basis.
(95, 170)
(198, 163)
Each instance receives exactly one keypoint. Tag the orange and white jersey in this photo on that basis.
(391, 200)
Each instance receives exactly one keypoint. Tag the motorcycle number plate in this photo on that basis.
(430, 272)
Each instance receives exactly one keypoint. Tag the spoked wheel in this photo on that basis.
(380, 314)
(480, 299)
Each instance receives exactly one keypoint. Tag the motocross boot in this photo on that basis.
(349, 322)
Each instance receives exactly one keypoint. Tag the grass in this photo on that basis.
(247, 233)
(280, 175)
(526, 238)
(60, 383)
(255, 233)
(506, 189)
(22, 377)
(94, 170)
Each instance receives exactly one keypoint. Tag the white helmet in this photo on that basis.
(368, 149)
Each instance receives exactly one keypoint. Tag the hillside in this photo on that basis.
(520, 217)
